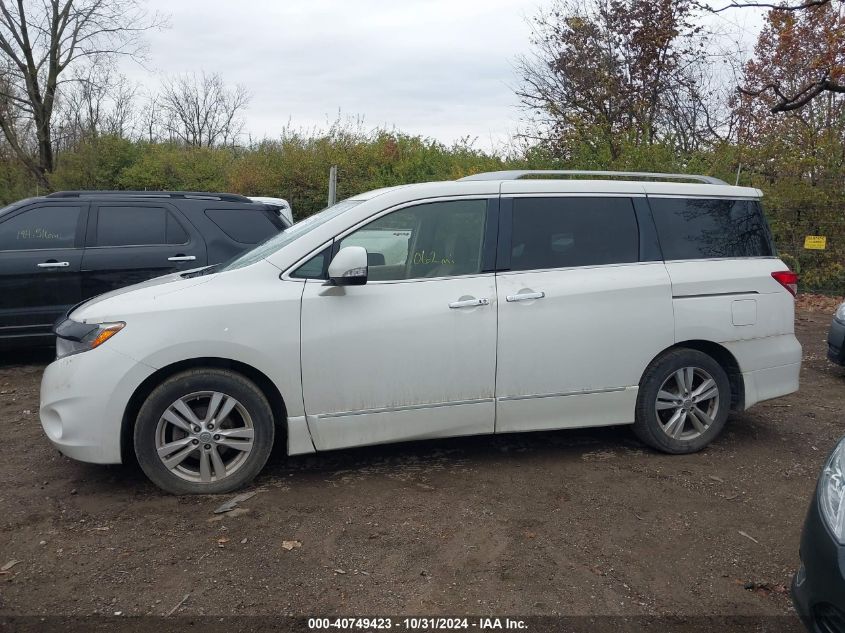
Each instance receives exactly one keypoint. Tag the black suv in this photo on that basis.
(60, 249)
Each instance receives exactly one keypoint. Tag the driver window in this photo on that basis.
(438, 239)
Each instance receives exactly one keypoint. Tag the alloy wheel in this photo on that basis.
(687, 403)
(204, 437)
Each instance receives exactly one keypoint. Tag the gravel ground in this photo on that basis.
(571, 522)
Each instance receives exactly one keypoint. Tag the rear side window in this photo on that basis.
(247, 226)
(566, 232)
(40, 228)
(138, 226)
(174, 232)
(702, 228)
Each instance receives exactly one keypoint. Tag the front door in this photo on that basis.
(411, 354)
(129, 243)
(40, 256)
(580, 316)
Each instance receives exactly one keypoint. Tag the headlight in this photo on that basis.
(832, 492)
(840, 312)
(81, 337)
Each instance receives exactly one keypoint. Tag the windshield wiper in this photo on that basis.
(213, 268)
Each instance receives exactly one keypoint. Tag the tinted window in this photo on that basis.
(314, 268)
(175, 232)
(702, 228)
(246, 226)
(132, 226)
(40, 228)
(440, 239)
(299, 229)
(564, 232)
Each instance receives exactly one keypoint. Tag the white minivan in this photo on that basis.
(503, 302)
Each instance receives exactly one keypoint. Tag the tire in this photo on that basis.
(206, 454)
(682, 424)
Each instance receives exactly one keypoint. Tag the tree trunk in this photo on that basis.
(45, 162)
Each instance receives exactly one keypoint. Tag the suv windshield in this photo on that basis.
(281, 240)
(16, 205)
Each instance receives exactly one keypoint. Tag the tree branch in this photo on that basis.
(807, 4)
(787, 103)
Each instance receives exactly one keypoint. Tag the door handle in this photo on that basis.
(54, 264)
(469, 303)
(525, 296)
(182, 258)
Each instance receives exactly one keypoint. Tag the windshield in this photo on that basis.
(281, 240)
(15, 205)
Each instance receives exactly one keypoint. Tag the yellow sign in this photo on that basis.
(815, 242)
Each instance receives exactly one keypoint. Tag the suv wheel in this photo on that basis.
(204, 431)
(683, 402)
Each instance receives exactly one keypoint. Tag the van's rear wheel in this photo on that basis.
(204, 431)
(683, 402)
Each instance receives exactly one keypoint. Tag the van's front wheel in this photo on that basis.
(204, 431)
(683, 402)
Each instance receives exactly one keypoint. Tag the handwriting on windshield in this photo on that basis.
(431, 257)
(37, 234)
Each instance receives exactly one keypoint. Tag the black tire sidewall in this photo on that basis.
(179, 385)
(646, 426)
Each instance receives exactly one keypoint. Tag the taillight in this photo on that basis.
(788, 280)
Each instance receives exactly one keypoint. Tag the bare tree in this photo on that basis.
(119, 119)
(98, 101)
(201, 110)
(39, 41)
(150, 119)
(16, 121)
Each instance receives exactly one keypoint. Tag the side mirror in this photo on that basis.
(349, 267)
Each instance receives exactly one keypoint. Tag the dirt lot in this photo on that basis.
(575, 522)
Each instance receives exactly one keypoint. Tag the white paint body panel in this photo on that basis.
(82, 402)
(737, 303)
(570, 342)
(391, 361)
(399, 347)
(246, 315)
(570, 411)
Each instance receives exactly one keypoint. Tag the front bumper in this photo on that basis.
(818, 589)
(83, 400)
(836, 342)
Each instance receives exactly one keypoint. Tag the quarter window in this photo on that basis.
(40, 228)
(438, 239)
(246, 226)
(565, 232)
(137, 226)
(314, 268)
(700, 228)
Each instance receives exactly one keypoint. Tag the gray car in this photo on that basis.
(836, 337)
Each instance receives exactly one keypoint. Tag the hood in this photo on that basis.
(107, 306)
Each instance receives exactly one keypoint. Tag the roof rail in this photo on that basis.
(196, 195)
(516, 174)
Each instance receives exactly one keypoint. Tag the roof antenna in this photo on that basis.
(738, 170)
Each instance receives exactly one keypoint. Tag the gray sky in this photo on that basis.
(439, 68)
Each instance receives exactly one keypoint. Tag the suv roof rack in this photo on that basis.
(195, 195)
(516, 174)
